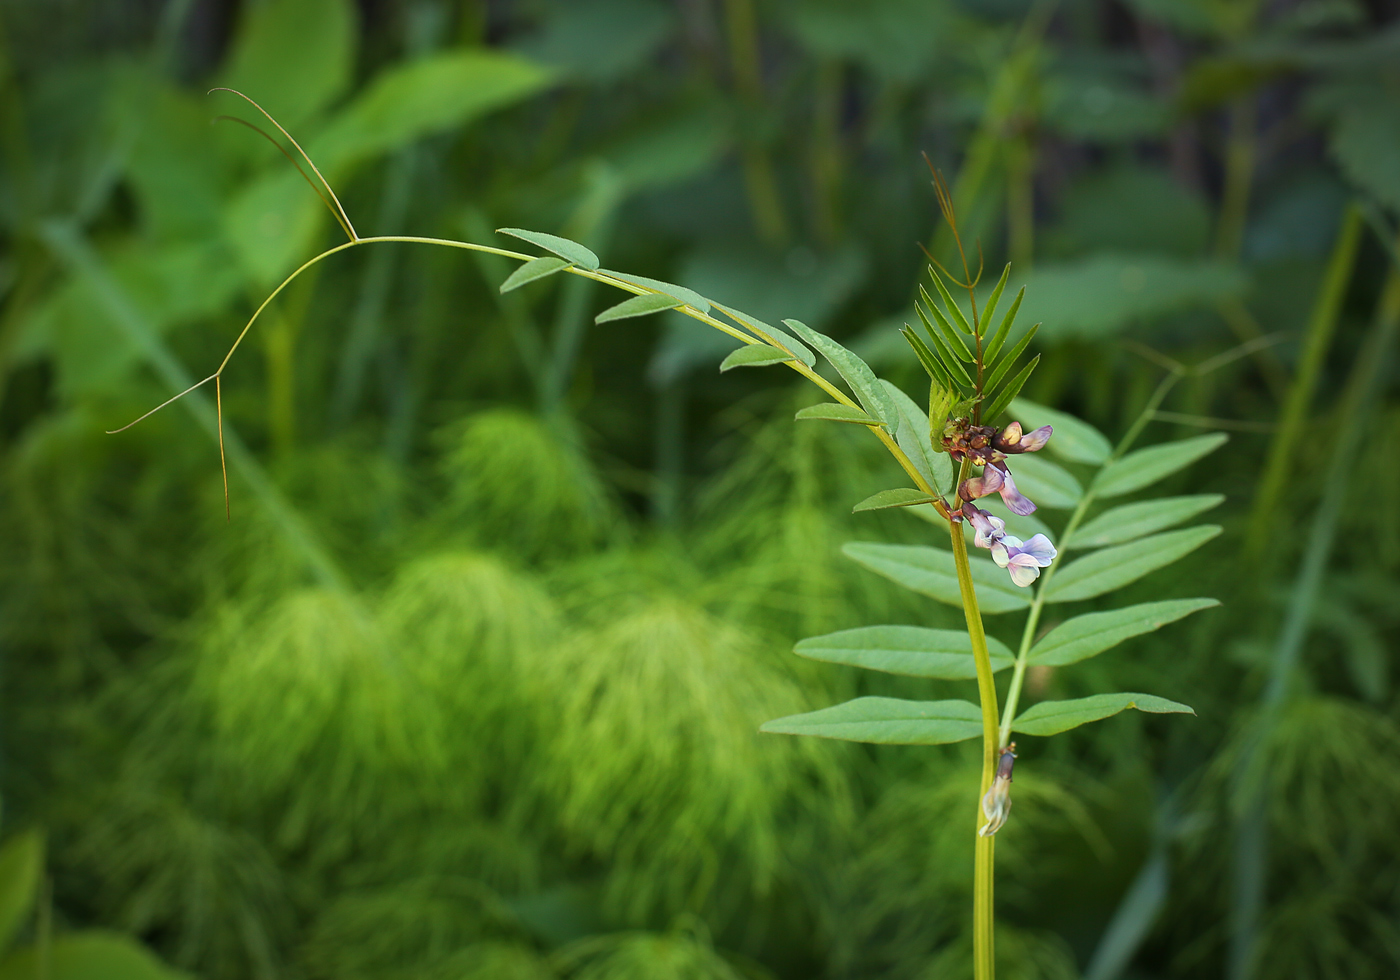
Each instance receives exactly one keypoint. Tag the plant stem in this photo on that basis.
(982, 905)
(1018, 673)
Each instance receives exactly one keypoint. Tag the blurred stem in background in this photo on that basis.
(1348, 428)
(745, 68)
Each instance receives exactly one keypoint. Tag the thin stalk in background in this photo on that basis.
(1250, 880)
(1321, 326)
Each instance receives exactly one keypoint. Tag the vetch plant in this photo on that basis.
(974, 382)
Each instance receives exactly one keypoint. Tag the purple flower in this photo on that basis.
(1023, 560)
(989, 529)
(996, 478)
(1010, 440)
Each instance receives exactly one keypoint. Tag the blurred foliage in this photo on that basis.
(469, 685)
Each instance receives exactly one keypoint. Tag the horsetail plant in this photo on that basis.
(975, 377)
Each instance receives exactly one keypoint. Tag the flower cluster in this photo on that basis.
(988, 447)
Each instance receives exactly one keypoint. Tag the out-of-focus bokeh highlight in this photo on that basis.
(468, 687)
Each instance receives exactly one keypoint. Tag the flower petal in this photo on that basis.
(990, 481)
(1014, 500)
(1034, 441)
(1024, 570)
(1040, 548)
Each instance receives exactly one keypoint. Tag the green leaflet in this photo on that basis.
(1132, 521)
(1009, 361)
(545, 265)
(927, 358)
(1012, 388)
(21, 864)
(88, 955)
(950, 335)
(836, 412)
(1053, 717)
(910, 651)
(562, 247)
(754, 355)
(915, 439)
(1044, 482)
(857, 373)
(953, 309)
(900, 497)
(1111, 568)
(1146, 466)
(687, 296)
(951, 364)
(769, 334)
(1073, 439)
(638, 306)
(930, 571)
(989, 355)
(990, 309)
(886, 721)
(1085, 636)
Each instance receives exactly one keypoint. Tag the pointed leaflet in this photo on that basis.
(930, 571)
(916, 441)
(989, 355)
(545, 265)
(835, 412)
(910, 651)
(955, 343)
(1053, 717)
(1013, 388)
(769, 334)
(927, 358)
(1047, 484)
(991, 308)
(1146, 466)
(1009, 361)
(1085, 636)
(953, 309)
(754, 355)
(638, 306)
(1074, 440)
(950, 363)
(872, 394)
(687, 296)
(562, 247)
(1132, 521)
(886, 721)
(1106, 570)
(900, 497)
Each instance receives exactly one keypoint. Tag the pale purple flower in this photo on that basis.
(1023, 560)
(1010, 440)
(989, 529)
(996, 478)
(996, 802)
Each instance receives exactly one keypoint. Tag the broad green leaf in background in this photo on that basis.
(867, 387)
(274, 222)
(1112, 568)
(754, 355)
(900, 497)
(1084, 636)
(1132, 521)
(568, 250)
(1146, 466)
(641, 305)
(884, 721)
(545, 265)
(1073, 439)
(836, 412)
(1053, 717)
(601, 40)
(910, 651)
(21, 864)
(930, 571)
(293, 57)
(687, 296)
(915, 439)
(88, 955)
(1366, 139)
(1097, 296)
(1044, 482)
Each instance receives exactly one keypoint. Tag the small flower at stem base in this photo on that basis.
(996, 802)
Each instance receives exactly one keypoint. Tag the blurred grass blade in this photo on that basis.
(886, 721)
(910, 651)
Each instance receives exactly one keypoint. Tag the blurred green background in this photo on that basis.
(469, 685)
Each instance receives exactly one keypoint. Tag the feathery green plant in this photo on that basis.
(976, 374)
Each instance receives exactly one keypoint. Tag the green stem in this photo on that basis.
(982, 907)
(1018, 673)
